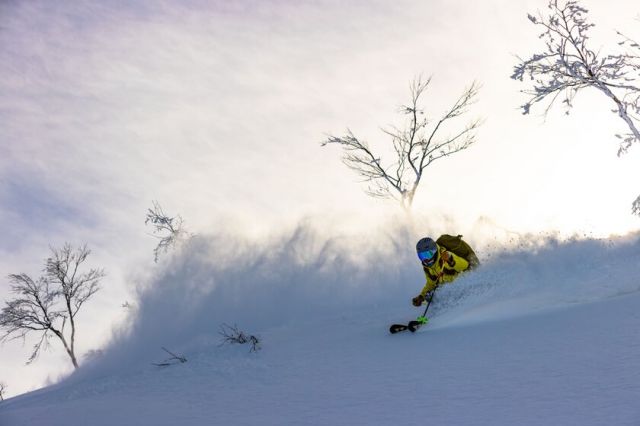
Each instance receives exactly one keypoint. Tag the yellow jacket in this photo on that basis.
(445, 269)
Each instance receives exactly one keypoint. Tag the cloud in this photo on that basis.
(37, 208)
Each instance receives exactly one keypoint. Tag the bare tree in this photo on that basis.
(417, 144)
(3, 387)
(569, 65)
(47, 305)
(168, 230)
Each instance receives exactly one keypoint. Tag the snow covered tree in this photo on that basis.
(635, 207)
(168, 230)
(569, 64)
(2, 389)
(417, 144)
(47, 305)
(633, 46)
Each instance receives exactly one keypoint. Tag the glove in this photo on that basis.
(447, 257)
(418, 300)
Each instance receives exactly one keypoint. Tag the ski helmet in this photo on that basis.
(427, 251)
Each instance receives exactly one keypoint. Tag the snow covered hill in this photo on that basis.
(549, 334)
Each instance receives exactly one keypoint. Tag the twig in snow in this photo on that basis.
(174, 359)
(233, 335)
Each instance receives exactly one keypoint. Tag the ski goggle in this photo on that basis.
(427, 254)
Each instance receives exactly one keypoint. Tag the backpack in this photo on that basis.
(459, 247)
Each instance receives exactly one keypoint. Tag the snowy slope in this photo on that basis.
(543, 336)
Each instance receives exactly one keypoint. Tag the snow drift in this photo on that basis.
(543, 332)
(307, 277)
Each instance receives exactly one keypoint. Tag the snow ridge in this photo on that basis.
(542, 333)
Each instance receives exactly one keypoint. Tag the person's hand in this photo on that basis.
(448, 258)
(429, 296)
(418, 300)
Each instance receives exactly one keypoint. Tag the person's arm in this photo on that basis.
(429, 286)
(454, 262)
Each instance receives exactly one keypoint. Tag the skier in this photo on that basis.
(442, 260)
(440, 266)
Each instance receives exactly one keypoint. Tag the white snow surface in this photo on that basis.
(548, 333)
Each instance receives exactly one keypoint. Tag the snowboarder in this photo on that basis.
(440, 266)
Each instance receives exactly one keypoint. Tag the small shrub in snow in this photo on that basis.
(174, 359)
(233, 335)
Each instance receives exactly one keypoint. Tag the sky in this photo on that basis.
(217, 110)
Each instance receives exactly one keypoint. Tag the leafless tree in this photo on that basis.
(568, 65)
(168, 230)
(417, 144)
(3, 387)
(634, 48)
(233, 335)
(174, 359)
(47, 305)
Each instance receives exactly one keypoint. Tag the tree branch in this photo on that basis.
(168, 230)
(569, 65)
(413, 145)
